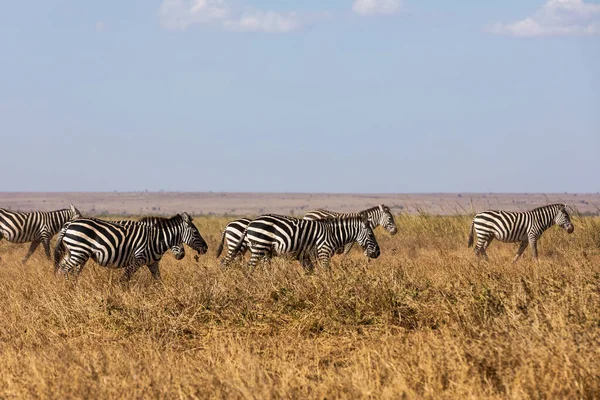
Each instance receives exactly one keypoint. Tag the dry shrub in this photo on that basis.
(425, 320)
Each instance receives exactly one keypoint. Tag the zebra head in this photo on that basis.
(366, 238)
(191, 236)
(74, 212)
(178, 251)
(563, 220)
(386, 219)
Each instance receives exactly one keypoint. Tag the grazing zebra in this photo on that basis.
(233, 233)
(511, 226)
(118, 246)
(378, 216)
(302, 238)
(35, 227)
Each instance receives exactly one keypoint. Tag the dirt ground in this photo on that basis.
(166, 203)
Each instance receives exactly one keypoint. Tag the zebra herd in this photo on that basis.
(316, 237)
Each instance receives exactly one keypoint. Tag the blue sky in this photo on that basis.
(301, 96)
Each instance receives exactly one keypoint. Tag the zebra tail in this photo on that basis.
(239, 245)
(220, 248)
(471, 236)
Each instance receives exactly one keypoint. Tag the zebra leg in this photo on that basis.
(154, 270)
(483, 248)
(522, 248)
(533, 244)
(255, 257)
(324, 258)
(229, 257)
(34, 245)
(130, 269)
(46, 243)
(480, 247)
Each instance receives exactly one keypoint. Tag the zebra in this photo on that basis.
(281, 235)
(233, 233)
(510, 226)
(113, 245)
(378, 216)
(35, 227)
(178, 250)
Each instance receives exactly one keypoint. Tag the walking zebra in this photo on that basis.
(178, 250)
(302, 238)
(378, 216)
(113, 245)
(35, 227)
(511, 226)
(233, 233)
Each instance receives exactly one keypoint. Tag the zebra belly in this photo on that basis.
(510, 238)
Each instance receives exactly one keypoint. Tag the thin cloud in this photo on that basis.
(555, 18)
(264, 21)
(181, 14)
(374, 7)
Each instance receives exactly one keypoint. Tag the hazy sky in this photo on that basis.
(300, 95)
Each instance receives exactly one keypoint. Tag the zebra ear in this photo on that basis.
(75, 211)
(186, 217)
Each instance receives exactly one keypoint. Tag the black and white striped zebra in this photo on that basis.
(233, 233)
(300, 238)
(178, 250)
(35, 227)
(511, 226)
(113, 245)
(378, 216)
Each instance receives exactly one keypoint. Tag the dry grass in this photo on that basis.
(425, 320)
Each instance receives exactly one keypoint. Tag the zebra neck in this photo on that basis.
(56, 219)
(544, 218)
(167, 238)
(373, 216)
(343, 235)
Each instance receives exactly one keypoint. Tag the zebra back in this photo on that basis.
(380, 215)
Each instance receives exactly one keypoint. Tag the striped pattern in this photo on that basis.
(35, 227)
(302, 238)
(377, 216)
(233, 233)
(128, 246)
(178, 250)
(524, 227)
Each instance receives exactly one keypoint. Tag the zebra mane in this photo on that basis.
(370, 209)
(158, 220)
(336, 219)
(549, 206)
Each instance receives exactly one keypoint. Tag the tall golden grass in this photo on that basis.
(424, 320)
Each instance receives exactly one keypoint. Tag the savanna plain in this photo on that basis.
(424, 320)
